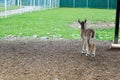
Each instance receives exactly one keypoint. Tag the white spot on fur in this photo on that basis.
(79, 26)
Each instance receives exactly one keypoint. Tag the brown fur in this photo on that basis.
(87, 36)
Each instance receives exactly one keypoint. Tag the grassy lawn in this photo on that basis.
(56, 22)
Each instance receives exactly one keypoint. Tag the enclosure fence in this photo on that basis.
(89, 3)
(8, 7)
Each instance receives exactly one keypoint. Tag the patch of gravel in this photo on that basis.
(94, 25)
(28, 38)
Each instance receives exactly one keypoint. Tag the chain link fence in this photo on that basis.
(8, 7)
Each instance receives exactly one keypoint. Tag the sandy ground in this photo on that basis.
(57, 60)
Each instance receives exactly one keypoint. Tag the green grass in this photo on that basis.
(56, 22)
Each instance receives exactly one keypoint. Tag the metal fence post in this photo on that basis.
(58, 3)
(50, 4)
(54, 4)
(117, 23)
(73, 3)
(38, 3)
(30, 2)
(5, 8)
(18, 2)
(31, 5)
(87, 3)
(44, 3)
(34, 3)
(21, 6)
(108, 3)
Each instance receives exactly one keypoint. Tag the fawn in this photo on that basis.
(87, 35)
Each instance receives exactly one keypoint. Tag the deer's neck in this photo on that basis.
(82, 30)
(82, 33)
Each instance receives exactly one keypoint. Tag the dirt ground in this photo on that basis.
(57, 60)
(94, 25)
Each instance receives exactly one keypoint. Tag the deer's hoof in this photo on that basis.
(86, 54)
(83, 52)
(93, 55)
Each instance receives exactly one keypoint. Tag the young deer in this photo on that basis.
(87, 36)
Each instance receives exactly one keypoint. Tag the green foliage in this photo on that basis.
(55, 23)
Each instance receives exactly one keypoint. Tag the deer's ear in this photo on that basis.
(85, 20)
(79, 21)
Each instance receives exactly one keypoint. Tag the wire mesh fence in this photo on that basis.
(8, 7)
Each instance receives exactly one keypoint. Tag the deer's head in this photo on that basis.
(82, 24)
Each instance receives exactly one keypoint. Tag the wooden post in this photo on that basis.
(117, 23)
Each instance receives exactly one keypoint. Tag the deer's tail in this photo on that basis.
(93, 34)
(89, 41)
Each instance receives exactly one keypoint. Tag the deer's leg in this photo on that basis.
(83, 46)
(93, 50)
(87, 48)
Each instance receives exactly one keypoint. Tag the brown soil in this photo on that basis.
(57, 60)
(94, 25)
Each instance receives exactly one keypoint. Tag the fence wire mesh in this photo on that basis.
(8, 7)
